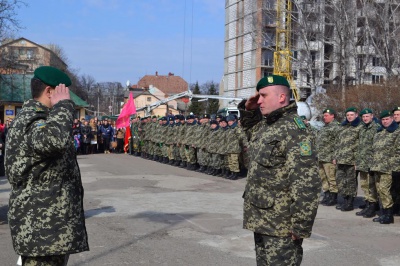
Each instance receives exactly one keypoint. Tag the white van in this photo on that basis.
(229, 110)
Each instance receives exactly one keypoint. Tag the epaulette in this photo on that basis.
(300, 124)
(39, 110)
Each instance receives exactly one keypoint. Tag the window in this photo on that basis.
(376, 61)
(29, 54)
(149, 99)
(376, 79)
(360, 62)
(268, 58)
(295, 74)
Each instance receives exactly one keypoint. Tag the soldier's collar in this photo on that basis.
(275, 115)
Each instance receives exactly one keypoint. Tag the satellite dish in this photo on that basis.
(128, 83)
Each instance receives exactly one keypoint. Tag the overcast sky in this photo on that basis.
(120, 40)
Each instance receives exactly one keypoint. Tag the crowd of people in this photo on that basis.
(212, 146)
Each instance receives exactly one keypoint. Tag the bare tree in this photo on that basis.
(8, 21)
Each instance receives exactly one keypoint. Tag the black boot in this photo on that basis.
(178, 163)
(234, 176)
(171, 162)
(325, 198)
(396, 209)
(183, 164)
(339, 206)
(363, 206)
(332, 199)
(387, 217)
(209, 170)
(222, 172)
(349, 204)
(227, 174)
(155, 158)
(160, 159)
(370, 211)
(364, 210)
(217, 172)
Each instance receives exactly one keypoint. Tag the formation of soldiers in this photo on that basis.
(363, 146)
(215, 147)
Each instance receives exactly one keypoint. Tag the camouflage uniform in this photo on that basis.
(46, 215)
(345, 155)
(190, 152)
(364, 159)
(325, 143)
(281, 194)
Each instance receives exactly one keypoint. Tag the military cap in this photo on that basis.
(52, 76)
(223, 119)
(329, 111)
(231, 118)
(154, 116)
(190, 117)
(143, 118)
(177, 117)
(182, 117)
(214, 122)
(206, 116)
(272, 80)
(366, 111)
(385, 113)
(397, 108)
(351, 109)
(219, 116)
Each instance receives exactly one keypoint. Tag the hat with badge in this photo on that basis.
(272, 80)
(51, 76)
(231, 117)
(329, 111)
(366, 111)
(190, 117)
(177, 117)
(206, 116)
(223, 119)
(351, 109)
(397, 108)
(154, 116)
(215, 122)
(219, 116)
(385, 113)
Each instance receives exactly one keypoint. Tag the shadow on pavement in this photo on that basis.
(94, 212)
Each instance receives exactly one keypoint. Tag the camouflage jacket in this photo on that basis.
(223, 140)
(365, 151)
(326, 141)
(212, 141)
(346, 148)
(46, 215)
(235, 140)
(281, 194)
(386, 150)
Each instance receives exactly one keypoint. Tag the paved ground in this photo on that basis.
(141, 212)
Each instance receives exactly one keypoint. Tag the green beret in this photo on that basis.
(396, 109)
(154, 116)
(351, 109)
(385, 113)
(329, 110)
(366, 111)
(52, 76)
(272, 80)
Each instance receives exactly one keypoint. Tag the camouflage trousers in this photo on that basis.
(216, 161)
(170, 151)
(190, 154)
(60, 260)
(177, 154)
(150, 149)
(164, 150)
(182, 152)
(383, 185)
(233, 162)
(327, 173)
(368, 186)
(277, 251)
(202, 157)
(346, 180)
(157, 149)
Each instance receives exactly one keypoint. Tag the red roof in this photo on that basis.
(169, 84)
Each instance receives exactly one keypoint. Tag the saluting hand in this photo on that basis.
(60, 93)
(251, 103)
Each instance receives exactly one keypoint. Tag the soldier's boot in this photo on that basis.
(178, 163)
(217, 172)
(155, 158)
(234, 176)
(364, 210)
(222, 172)
(387, 217)
(150, 157)
(171, 162)
(339, 206)
(183, 164)
(195, 167)
(325, 198)
(332, 199)
(364, 205)
(209, 170)
(370, 211)
(328, 198)
(349, 204)
(227, 173)
(200, 169)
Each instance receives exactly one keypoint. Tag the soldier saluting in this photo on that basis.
(46, 215)
(281, 194)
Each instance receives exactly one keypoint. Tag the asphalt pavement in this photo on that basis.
(139, 212)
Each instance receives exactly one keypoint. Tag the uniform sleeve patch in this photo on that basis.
(305, 148)
(300, 124)
(41, 125)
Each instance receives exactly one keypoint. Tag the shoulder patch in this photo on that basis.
(39, 110)
(305, 148)
(41, 125)
(300, 124)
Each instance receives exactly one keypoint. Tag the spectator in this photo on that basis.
(120, 140)
(86, 137)
(107, 133)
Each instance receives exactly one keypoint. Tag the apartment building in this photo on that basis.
(330, 43)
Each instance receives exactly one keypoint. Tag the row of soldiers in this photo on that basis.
(216, 147)
(363, 146)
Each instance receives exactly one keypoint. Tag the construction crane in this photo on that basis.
(283, 51)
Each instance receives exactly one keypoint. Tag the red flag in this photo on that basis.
(128, 136)
(128, 110)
